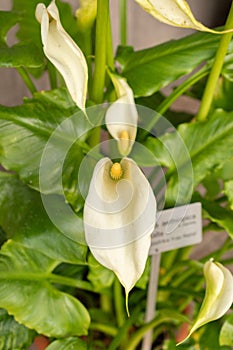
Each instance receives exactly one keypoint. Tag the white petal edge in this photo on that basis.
(122, 115)
(218, 297)
(63, 52)
(176, 13)
(119, 238)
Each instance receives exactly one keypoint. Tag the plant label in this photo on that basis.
(176, 228)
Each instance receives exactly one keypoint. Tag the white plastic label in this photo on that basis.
(177, 227)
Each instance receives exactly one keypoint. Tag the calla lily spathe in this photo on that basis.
(122, 117)
(174, 12)
(119, 217)
(218, 295)
(63, 52)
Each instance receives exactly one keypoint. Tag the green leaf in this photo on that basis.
(8, 20)
(228, 190)
(67, 344)
(221, 216)
(22, 214)
(12, 334)
(26, 55)
(26, 293)
(29, 28)
(226, 333)
(100, 277)
(196, 148)
(147, 71)
(21, 55)
(211, 185)
(25, 131)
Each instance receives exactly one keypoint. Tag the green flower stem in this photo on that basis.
(106, 329)
(178, 269)
(119, 303)
(94, 138)
(110, 56)
(87, 49)
(102, 20)
(166, 104)
(27, 80)
(106, 303)
(123, 22)
(181, 89)
(120, 340)
(52, 75)
(138, 335)
(216, 70)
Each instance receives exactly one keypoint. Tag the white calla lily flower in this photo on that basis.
(121, 116)
(218, 297)
(119, 217)
(63, 52)
(174, 12)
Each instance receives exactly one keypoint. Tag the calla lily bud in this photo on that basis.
(86, 14)
(218, 296)
(122, 116)
(174, 12)
(63, 52)
(119, 217)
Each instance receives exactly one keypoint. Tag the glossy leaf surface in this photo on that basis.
(23, 216)
(209, 144)
(26, 293)
(12, 334)
(149, 70)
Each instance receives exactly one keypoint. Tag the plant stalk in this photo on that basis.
(119, 303)
(123, 22)
(27, 80)
(102, 23)
(216, 70)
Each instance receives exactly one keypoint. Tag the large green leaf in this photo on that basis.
(67, 344)
(149, 70)
(26, 293)
(22, 214)
(25, 131)
(12, 334)
(209, 144)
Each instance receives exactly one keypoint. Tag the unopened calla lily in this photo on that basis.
(121, 116)
(174, 12)
(119, 217)
(86, 14)
(218, 295)
(63, 52)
